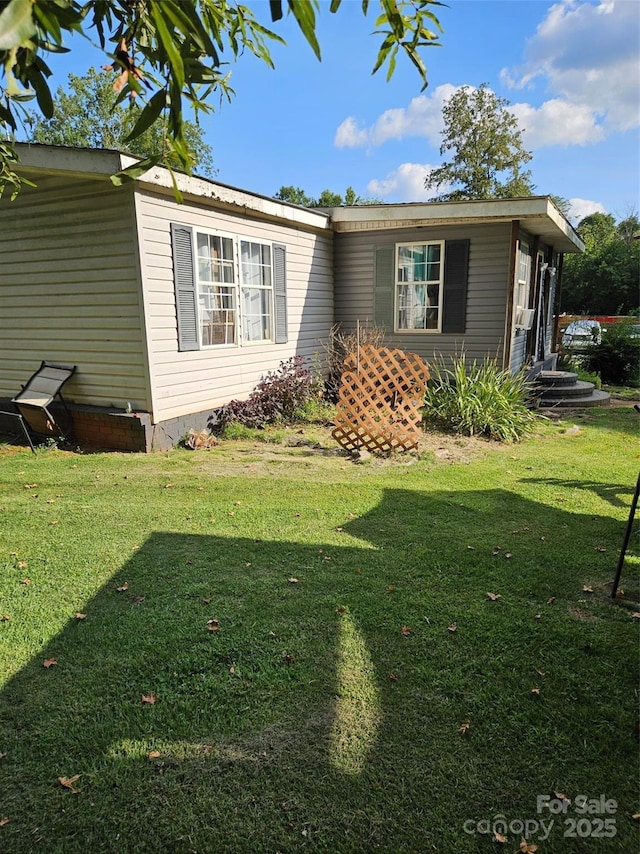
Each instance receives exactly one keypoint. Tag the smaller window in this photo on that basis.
(216, 289)
(419, 271)
(256, 291)
(524, 275)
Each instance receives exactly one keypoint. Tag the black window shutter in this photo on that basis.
(384, 284)
(185, 287)
(280, 293)
(456, 274)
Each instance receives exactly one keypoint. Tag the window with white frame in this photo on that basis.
(229, 290)
(524, 275)
(216, 281)
(256, 289)
(419, 286)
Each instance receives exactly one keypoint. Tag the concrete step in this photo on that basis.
(556, 378)
(595, 398)
(579, 388)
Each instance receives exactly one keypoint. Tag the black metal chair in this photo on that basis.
(40, 407)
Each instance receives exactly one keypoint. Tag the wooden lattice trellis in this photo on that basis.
(381, 394)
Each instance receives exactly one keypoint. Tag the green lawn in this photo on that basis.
(281, 649)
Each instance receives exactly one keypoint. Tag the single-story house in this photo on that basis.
(171, 309)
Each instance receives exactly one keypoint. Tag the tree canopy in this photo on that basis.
(326, 199)
(486, 146)
(85, 116)
(606, 278)
(172, 53)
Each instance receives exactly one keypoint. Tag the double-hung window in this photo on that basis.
(419, 286)
(217, 298)
(524, 275)
(230, 290)
(256, 289)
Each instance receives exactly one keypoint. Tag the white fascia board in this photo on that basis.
(542, 214)
(203, 190)
(101, 164)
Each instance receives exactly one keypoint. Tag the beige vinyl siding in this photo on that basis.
(486, 296)
(69, 290)
(196, 380)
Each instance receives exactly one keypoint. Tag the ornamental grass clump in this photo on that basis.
(480, 399)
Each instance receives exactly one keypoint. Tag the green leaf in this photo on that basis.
(148, 115)
(169, 43)
(16, 24)
(275, 7)
(43, 93)
(304, 13)
(136, 170)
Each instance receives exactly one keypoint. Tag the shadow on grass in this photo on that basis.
(610, 492)
(324, 712)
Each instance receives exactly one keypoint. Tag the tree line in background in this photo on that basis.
(606, 278)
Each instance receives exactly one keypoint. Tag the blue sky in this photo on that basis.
(571, 71)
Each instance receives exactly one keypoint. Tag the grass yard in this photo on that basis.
(270, 648)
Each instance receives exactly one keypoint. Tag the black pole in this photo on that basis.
(625, 543)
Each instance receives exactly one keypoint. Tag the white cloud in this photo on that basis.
(580, 208)
(557, 122)
(422, 117)
(588, 55)
(404, 184)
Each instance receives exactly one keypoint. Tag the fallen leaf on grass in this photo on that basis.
(600, 549)
(636, 615)
(168, 485)
(619, 593)
(560, 796)
(288, 658)
(150, 698)
(213, 625)
(636, 816)
(137, 599)
(393, 677)
(535, 690)
(26, 581)
(587, 589)
(391, 589)
(526, 848)
(537, 616)
(493, 596)
(508, 555)
(49, 662)
(207, 600)
(30, 485)
(80, 616)
(499, 838)
(496, 550)
(463, 729)
(551, 600)
(67, 782)
(154, 754)
(5, 618)
(292, 580)
(123, 588)
(341, 610)
(3, 755)
(51, 501)
(4, 821)
(452, 628)
(22, 564)
(540, 672)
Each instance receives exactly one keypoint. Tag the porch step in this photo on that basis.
(564, 389)
(596, 398)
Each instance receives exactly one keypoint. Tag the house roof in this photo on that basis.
(537, 214)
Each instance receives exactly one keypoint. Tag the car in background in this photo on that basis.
(581, 335)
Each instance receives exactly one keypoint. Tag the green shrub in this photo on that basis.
(617, 358)
(478, 400)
